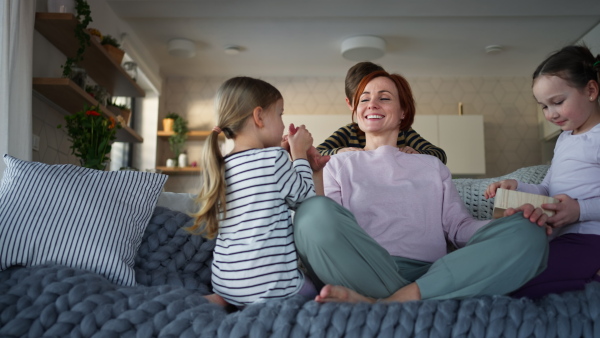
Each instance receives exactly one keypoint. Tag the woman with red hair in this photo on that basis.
(381, 233)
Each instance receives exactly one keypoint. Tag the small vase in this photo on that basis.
(182, 160)
(131, 69)
(168, 124)
(125, 114)
(79, 76)
(61, 6)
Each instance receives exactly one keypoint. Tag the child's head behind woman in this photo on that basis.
(235, 102)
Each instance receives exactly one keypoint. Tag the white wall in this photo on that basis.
(592, 40)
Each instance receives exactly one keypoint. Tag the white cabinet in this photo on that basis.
(461, 136)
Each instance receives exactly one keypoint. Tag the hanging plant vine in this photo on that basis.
(84, 18)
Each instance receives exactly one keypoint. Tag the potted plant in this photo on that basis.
(113, 47)
(83, 19)
(98, 93)
(91, 134)
(120, 110)
(168, 121)
(95, 33)
(177, 140)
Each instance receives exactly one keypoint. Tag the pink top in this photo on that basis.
(406, 202)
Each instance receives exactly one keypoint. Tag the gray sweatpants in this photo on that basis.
(498, 259)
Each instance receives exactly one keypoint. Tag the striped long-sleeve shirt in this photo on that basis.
(255, 258)
(350, 136)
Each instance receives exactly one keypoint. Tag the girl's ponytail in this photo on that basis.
(212, 194)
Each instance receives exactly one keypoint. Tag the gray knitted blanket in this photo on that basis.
(173, 274)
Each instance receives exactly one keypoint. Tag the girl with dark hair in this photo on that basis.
(566, 86)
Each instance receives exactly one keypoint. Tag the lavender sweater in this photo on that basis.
(575, 171)
(406, 202)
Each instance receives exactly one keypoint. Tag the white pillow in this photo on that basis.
(74, 216)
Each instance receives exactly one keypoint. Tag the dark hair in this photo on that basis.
(356, 73)
(407, 101)
(575, 64)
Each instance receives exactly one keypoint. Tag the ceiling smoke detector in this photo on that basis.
(363, 48)
(182, 48)
(493, 49)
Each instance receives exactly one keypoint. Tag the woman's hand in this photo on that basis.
(343, 150)
(505, 184)
(316, 160)
(567, 211)
(408, 150)
(534, 215)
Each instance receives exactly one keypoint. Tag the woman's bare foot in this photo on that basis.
(405, 294)
(336, 293)
(216, 299)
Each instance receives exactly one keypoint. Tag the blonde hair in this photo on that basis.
(235, 101)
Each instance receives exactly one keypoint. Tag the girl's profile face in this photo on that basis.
(568, 107)
(378, 109)
(274, 123)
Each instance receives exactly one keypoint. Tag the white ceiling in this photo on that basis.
(303, 38)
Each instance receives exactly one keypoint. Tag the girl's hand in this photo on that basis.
(408, 150)
(316, 160)
(506, 184)
(300, 141)
(567, 211)
(534, 215)
(285, 144)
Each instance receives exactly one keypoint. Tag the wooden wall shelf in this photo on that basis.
(69, 96)
(180, 171)
(192, 135)
(59, 29)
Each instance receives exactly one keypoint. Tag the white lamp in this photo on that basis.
(182, 48)
(363, 48)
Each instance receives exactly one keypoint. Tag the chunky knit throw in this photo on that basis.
(173, 274)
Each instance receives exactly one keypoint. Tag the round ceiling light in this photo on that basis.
(363, 48)
(182, 48)
(493, 49)
(233, 50)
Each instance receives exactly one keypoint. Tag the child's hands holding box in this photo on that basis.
(506, 199)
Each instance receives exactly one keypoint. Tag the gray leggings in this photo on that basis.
(499, 257)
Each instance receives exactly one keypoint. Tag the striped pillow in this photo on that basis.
(74, 216)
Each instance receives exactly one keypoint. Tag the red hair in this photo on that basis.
(407, 102)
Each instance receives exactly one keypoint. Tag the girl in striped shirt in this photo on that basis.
(247, 195)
